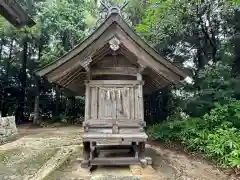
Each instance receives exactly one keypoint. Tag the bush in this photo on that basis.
(213, 85)
(216, 134)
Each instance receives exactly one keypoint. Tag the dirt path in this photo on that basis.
(35, 147)
(179, 166)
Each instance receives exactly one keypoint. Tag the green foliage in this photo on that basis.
(162, 20)
(214, 85)
(216, 134)
(60, 24)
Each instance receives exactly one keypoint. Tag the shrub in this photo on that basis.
(216, 134)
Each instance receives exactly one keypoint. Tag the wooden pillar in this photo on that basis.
(140, 95)
(86, 155)
(87, 145)
(87, 103)
(141, 147)
(87, 93)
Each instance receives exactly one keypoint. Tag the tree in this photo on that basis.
(60, 25)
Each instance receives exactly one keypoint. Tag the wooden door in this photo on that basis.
(114, 103)
(123, 103)
(109, 101)
(107, 104)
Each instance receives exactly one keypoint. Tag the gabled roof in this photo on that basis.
(15, 14)
(113, 26)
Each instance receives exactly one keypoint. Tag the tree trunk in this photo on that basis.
(36, 119)
(201, 59)
(6, 83)
(236, 43)
(73, 106)
(1, 88)
(57, 107)
(23, 80)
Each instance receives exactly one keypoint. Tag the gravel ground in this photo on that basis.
(34, 147)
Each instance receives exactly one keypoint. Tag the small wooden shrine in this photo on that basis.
(113, 68)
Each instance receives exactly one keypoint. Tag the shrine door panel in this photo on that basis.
(115, 103)
(123, 103)
(107, 104)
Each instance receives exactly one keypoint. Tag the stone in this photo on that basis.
(2, 131)
(143, 162)
(4, 122)
(149, 160)
(7, 128)
(1, 139)
(8, 132)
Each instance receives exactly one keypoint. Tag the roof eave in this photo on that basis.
(124, 26)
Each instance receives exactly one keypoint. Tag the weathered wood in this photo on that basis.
(109, 122)
(115, 66)
(86, 155)
(132, 104)
(100, 101)
(87, 102)
(118, 138)
(124, 130)
(146, 59)
(104, 28)
(130, 71)
(71, 77)
(135, 149)
(74, 78)
(115, 161)
(92, 151)
(141, 147)
(67, 76)
(113, 83)
(127, 29)
(114, 60)
(111, 100)
(113, 147)
(115, 128)
(140, 96)
(123, 105)
(136, 91)
(94, 102)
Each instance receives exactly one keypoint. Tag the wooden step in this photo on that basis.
(113, 147)
(115, 161)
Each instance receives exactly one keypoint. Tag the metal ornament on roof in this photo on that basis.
(114, 8)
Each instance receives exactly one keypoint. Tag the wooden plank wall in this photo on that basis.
(128, 105)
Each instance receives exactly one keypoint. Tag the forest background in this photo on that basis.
(200, 36)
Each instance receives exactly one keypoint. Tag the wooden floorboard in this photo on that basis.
(115, 161)
(113, 147)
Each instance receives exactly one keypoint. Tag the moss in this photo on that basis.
(31, 166)
(66, 167)
(6, 155)
(14, 164)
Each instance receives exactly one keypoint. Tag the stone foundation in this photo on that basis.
(8, 128)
